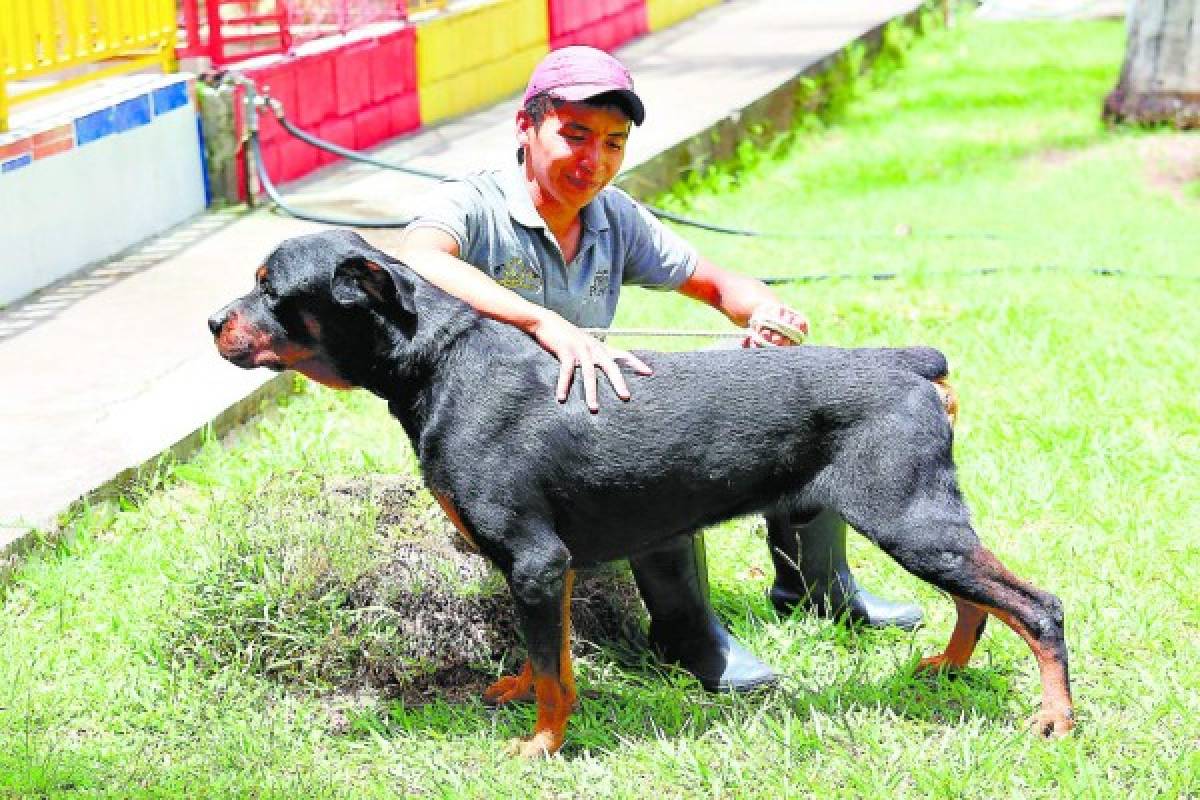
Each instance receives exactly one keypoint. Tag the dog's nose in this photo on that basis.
(217, 321)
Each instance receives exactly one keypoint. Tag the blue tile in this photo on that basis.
(94, 126)
(23, 160)
(132, 113)
(170, 97)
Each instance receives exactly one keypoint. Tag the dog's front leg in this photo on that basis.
(541, 582)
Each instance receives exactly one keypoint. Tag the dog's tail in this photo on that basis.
(927, 362)
(931, 365)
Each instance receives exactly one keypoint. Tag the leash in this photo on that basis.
(603, 333)
(778, 326)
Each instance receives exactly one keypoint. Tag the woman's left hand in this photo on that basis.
(775, 325)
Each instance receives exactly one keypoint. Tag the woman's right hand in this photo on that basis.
(575, 348)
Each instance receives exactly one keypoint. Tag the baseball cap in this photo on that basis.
(578, 72)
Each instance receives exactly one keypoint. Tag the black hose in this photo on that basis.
(273, 193)
(670, 216)
(322, 144)
(1099, 272)
(352, 155)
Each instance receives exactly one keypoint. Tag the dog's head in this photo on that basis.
(322, 304)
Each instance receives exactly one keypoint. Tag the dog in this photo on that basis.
(541, 488)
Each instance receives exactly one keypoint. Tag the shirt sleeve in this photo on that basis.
(453, 207)
(657, 257)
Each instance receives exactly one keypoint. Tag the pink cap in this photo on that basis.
(577, 73)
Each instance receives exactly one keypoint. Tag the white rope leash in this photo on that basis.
(778, 326)
(605, 332)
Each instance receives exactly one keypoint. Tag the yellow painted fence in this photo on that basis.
(664, 13)
(84, 39)
(470, 58)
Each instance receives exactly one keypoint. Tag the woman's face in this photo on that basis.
(574, 153)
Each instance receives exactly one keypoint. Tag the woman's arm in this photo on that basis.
(433, 254)
(744, 300)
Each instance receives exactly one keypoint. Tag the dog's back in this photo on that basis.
(711, 434)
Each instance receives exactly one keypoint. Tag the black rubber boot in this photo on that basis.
(811, 572)
(684, 629)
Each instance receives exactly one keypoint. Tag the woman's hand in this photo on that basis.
(774, 324)
(574, 348)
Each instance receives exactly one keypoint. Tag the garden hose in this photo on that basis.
(263, 100)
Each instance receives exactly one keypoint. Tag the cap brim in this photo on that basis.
(586, 91)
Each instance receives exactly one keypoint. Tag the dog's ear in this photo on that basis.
(358, 281)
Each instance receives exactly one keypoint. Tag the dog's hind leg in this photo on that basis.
(541, 582)
(968, 629)
(1037, 617)
(929, 534)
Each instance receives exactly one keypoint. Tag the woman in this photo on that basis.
(546, 246)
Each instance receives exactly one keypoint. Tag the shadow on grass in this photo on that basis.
(623, 703)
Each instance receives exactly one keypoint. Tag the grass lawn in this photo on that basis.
(980, 176)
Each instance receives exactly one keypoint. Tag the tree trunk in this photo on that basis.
(1160, 80)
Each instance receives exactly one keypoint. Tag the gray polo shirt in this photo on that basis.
(491, 216)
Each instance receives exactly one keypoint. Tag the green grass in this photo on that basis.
(1078, 451)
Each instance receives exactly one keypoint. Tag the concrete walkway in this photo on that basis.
(106, 372)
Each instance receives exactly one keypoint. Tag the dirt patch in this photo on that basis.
(362, 585)
(1171, 162)
(1058, 157)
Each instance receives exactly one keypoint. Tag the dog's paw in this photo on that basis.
(508, 690)
(935, 665)
(1052, 723)
(542, 744)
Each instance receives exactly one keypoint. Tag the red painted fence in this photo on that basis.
(234, 30)
(606, 24)
(357, 95)
(362, 88)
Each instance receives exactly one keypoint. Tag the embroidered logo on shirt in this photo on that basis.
(600, 284)
(516, 274)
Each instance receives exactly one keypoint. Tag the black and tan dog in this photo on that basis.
(540, 487)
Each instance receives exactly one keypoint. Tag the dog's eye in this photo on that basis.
(292, 321)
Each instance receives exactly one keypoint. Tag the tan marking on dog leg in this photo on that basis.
(1056, 717)
(455, 519)
(511, 688)
(967, 630)
(556, 694)
(949, 398)
(565, 667)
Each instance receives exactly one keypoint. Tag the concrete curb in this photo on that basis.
(16, 542)
(235, 415)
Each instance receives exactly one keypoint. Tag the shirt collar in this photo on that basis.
(521, 209)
